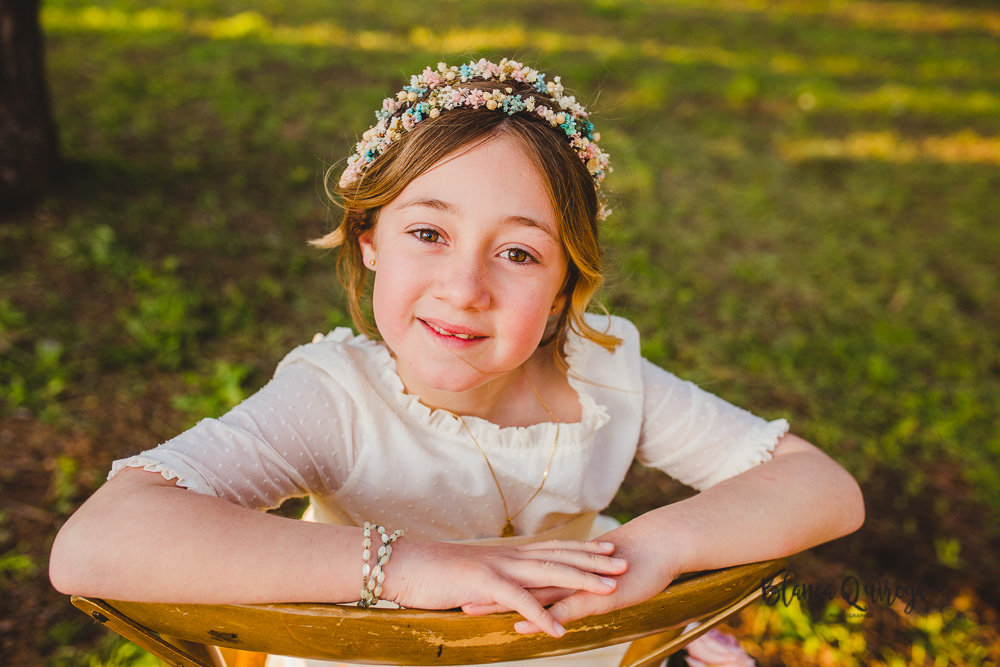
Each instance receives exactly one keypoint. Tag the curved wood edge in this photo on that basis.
(143, 637)
(654, 655)
(420, 637)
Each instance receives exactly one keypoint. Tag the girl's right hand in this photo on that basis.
(486, 579)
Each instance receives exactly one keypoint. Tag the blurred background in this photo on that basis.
(806, 203)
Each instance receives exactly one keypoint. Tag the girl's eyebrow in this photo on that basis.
(448, 207)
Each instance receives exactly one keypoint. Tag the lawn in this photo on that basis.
(805, 195)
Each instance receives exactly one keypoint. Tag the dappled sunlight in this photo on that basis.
(963, 147)
(895, 16)
(895, 99)
(253, 25)
(804, 198)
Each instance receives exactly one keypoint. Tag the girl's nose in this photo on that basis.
(464, 283)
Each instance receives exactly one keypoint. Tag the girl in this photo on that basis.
(483, 412)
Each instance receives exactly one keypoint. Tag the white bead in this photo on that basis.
(366, 554)
(388, 550)
(367, 543)
(380, 578)
(371, 584)
(385, 538)
(383, 560)
(366, 570)
(378, 591)
(381, 551)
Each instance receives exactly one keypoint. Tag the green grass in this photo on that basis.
(805, 221)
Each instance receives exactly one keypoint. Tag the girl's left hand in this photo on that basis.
(652, 566)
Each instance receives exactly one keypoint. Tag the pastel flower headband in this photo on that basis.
(431, 92)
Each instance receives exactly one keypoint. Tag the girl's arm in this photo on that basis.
(141, 537)
(798, 499)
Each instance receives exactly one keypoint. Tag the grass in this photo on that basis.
(803, 192)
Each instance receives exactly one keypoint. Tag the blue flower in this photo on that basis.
(511, 105)
(540, 83)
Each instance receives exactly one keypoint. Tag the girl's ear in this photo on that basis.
(367, 243)
(558, 304)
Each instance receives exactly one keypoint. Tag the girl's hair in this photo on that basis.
(570, 186)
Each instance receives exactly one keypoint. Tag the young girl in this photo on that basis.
(483, 412)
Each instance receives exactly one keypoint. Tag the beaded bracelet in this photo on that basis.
(372, 577)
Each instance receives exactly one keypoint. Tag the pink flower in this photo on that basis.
(719, 650)
(432, 78)
(475, 99)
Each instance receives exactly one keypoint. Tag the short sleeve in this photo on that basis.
(696, 437)
(291, 438)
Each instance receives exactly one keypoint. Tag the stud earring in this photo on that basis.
(372, 263)
(555, 309)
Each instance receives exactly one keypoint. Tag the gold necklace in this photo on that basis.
(508, 527)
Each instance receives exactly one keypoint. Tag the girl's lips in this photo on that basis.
(452, 331)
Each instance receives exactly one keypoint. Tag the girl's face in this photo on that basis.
(468, 267)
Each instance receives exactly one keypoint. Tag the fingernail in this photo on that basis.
(606, 545)
(618, 562)
(560, 630)
(520, 626)
(609, 582)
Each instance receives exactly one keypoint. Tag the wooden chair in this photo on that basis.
(192, 635)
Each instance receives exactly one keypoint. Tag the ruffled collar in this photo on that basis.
(593, 415)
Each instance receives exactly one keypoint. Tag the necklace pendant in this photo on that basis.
(508, 530)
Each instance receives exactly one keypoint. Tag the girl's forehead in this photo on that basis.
(495, 177)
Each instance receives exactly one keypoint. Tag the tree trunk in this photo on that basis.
(29, 146)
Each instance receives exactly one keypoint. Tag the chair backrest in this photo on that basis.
(347, 633)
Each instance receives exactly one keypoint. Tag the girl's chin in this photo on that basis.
(457, 382)
(451, 385)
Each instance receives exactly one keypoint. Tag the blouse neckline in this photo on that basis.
(593, 415)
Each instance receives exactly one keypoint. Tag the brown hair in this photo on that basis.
(570, 187)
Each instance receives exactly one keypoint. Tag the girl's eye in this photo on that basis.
(428, 235)
(517, 255)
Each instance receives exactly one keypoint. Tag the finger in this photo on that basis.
(550, 594)
(544, 596)
(572, 608)
(526, 628)
(544, 574)
(581, 604)
(591, 546)
(521, 601)
(582, 560)
(474, 609)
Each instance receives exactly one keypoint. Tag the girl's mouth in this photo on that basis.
(453, 334)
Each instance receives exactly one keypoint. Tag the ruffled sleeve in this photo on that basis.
(291, 438)
(696, 437)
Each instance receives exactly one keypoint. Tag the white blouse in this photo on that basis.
(336, 423)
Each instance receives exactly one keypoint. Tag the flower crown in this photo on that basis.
(431, 92)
